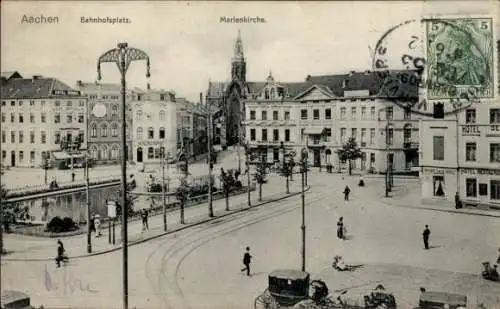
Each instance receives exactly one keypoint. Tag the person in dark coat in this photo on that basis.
(346, 193)
(73, 176)
(60, 253)
(340, 228)
(426, 234)
(246, 261)
(92, 224)
(144, 215)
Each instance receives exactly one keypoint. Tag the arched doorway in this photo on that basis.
(139, 154)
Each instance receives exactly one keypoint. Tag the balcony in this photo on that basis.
(270, 143)
(493, 130)
(410, 145)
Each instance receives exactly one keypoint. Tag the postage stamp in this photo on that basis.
(459, 57)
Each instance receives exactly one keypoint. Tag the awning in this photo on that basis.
(61, 155)
(314, 130)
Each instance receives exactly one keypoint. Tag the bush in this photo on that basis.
(58, 225)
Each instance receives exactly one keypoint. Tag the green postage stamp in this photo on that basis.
(460, 55)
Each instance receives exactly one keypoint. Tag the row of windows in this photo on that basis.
(20, 157)
(33, 102)
(104, 131)
(470, 150)
(470, 115)
(472, 188)
(151, 133)
(104, 97)
(43, 118)
(43, 137)
(149, 116)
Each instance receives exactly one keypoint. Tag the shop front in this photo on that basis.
(148, 151)
(481, 187)
(439, 184)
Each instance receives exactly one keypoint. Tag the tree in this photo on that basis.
(227, 183)
(182, 194)
(286, 171)
(260, 176)
(350, 151)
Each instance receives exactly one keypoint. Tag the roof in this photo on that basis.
(291, 274)
(36, 87)
(103, 87)
(216, 89)
(11, 74)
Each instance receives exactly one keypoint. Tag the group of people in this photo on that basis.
(95, 225)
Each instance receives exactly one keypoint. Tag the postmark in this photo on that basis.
(459, 58)
(400, 61)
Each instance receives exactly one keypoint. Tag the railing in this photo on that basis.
(410, 144)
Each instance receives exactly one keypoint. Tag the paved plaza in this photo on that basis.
(199, 267)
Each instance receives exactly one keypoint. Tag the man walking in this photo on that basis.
(144, 215)
(346, 193)
(246, 261)
(340, 228)
(426, 235)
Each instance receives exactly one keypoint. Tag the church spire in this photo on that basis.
(238, 48)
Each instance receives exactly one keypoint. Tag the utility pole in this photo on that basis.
(210, 164)
(303, 226)
(162, 157)
(87, 196)
(247, 163)
(387, 189)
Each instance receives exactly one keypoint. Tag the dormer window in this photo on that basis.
(345, 83)
(273, 93)
(266, 94)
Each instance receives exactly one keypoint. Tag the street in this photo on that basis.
(199, 267)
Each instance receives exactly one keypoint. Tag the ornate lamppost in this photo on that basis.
(123, 56)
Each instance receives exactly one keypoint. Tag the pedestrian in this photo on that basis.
(97, 224)
(246, 261)
(346, 193)
(340, 228)
(426, 234)
(144, 216)
(73, 176)
(458, 203)
(92, 224)
(60, 253)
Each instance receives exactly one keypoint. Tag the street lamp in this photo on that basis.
(247, 163)
(388, 168)
(87, 196)
(162, 157)
(210, 161)
(303, 170)
(123, 56)
(285, 168)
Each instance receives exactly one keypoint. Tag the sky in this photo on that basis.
(188, 45)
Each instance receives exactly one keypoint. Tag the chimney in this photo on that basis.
(79, 83)
(201, 97)
(148, 86)
(35, 77)
(308, 78)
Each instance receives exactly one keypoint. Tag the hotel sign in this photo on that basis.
(150, 143)
(471, 130)
(438, 171)
(480, 171)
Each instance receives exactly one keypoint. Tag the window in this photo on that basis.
(252, 115)
(12, 137)
(114, 152)
(69, 104)
(252, 134)
(32, 137)
(114, 130)
(275, 115)
(43, 137)
(287, 135)
(21, 118)
(328, 114)
(12, 103)
(151, 153)
(81, 136)
(471, 187)
(354, 133)
(287, 115)
(58, 103)
(162, 115)
(302, 134)
(82, 103)
(32, 157)
(372, 112)
(69, 118)
(32, 103)
(3, 117)
(495, 115)
(363, 112)
(80, 118)
(57, 137)
(12, 117)
(151, 133)
(303, 114)
(161, 133)
(470, 151)
(21, 156)
(483, 189)
(4, 153)
(264, 135)
(139, 133)
(264, 115)
(438, 185)
(372, 136)
(407, 114)
(93, 130)
(276, 135)
(390, 136)
(4, 137)
(57, 118)
(495, 152)
(328, 134)
(407, 133)
(21, 137)
(363, 135)
(32, 118)
(495, 189)
(470, 115)
(372, 157)
(343, 132)
(389, 113)
(342, 113)
(43, 117)
(353, 112)
(114, 112)
(316, 114)
(104, 130)
(138, 115)
(266, 94)
(438, 148)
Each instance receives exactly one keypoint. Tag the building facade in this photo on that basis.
(38, 113)
(321, 113)
(104, 120)
(154, 126)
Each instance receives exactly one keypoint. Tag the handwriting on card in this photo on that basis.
(69, 284)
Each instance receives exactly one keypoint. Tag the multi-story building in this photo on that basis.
(199, 122)
(104, 120)
(37, 114)
(321, 113)
(154, 125)
(461, 154)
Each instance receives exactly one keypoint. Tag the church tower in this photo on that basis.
(238, 64)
